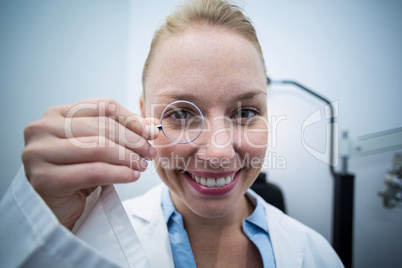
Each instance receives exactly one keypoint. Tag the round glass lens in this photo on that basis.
(182, 122)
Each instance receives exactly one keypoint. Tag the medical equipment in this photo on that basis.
(392, 192)
(342, 228)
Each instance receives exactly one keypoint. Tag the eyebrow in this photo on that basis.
(250, 95)
(179, 96)
(193, 98)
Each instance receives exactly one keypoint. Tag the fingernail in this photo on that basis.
(151, 130)
(152, 152)
(144, 163)
(136, 174)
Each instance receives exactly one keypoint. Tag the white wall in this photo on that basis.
(53, 53)
(348, 50)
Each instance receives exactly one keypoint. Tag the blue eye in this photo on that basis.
(245, 113)
(180, 115)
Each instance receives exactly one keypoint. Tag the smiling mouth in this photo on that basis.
(212, 182)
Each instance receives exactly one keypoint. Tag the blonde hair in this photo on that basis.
(218, 13)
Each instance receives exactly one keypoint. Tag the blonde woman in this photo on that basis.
(205, 80)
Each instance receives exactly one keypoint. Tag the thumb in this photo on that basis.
(152, 130)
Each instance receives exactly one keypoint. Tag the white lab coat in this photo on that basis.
(31, 236)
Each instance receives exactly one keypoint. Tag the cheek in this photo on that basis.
(253, 146)
(171, 156)
(255, 140)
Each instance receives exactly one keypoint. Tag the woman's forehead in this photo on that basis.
(208, 95)
(208, 62)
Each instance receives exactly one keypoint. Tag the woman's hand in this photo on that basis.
(75, 148)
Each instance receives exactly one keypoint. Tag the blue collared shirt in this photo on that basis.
(255, 227)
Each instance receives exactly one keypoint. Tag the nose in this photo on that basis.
(216, 141)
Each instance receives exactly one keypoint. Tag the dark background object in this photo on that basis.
(269, 191)
(342, 228)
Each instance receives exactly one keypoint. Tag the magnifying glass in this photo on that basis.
(181, 122)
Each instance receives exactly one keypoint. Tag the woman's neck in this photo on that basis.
(229, 222)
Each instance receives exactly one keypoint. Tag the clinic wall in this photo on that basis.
(53, 53)
(350, 52)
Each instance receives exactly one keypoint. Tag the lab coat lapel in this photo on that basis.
(150, 225)
(288, 251)
(107, 228)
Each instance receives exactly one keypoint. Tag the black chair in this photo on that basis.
(271, 193)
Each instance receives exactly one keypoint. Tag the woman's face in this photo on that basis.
(221, 73)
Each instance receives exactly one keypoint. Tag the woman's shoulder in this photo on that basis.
(286, 231)
(278, 218)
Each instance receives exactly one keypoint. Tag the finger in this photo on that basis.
(138, 125)
(92, 108)
(62, 180)
(86, 127)
(85, 150)
(154, 131)
(110, 129)
(106, 107)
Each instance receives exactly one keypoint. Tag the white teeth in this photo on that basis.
(220, 182)
(211, 182)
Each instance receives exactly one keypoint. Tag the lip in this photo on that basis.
(212, 191)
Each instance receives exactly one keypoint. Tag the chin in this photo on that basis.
(213, 208)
